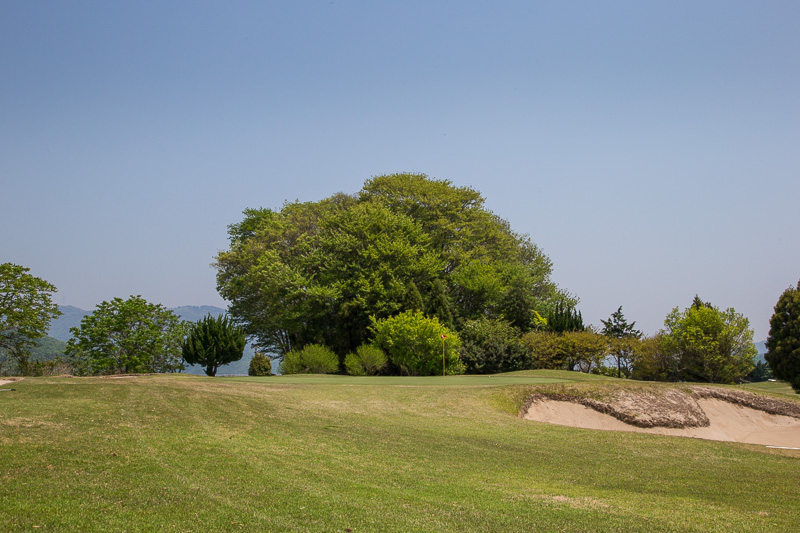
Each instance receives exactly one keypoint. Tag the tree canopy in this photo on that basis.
(127, 337)
(318, 272)
(213, 342)
(625, 344)
(708, 344)
(26, 308)
(783, 342)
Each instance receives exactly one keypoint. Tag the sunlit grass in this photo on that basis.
(183, 453)
(773, 387)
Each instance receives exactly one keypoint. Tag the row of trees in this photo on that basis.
(403, 252)
(136, 336)
(700, 343)
(120, 336)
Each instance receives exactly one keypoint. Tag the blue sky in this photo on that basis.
(651, 149)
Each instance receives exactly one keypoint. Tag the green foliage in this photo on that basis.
(47, 348)
(415, 344)
(543, 350)
(564, 317)
(783, 341)
(413, 299)
(490, 346)
(367, 360)
(26, 308)
(625, 345)
(213, 342)
(761, 372)
(260, 365)
(617, 326)
(706, 344)
(312, 359)
(439, 304)
(569, 350)
(654, 361)
(316, 272)
(126, 337)
(583, 350)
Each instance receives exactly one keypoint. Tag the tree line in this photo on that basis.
(413, 268)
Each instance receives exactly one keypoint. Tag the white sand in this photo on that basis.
(729, 422)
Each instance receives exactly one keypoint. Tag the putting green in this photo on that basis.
(511, 378)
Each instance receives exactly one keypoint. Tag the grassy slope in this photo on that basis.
(188, 453)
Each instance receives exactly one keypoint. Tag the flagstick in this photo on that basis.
(442, 356)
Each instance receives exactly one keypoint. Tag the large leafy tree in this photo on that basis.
(709, 344)
(26, 308)
(317, 272)
(783, 341)
(127, 337)
(213, 342)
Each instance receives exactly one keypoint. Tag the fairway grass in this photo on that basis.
(331, 453)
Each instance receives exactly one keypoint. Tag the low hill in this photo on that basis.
(71, 317)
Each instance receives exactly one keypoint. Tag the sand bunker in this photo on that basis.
(726, 422)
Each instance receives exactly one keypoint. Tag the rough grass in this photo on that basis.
(182, 453)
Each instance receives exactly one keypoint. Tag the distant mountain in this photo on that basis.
(71, 317)
(194, 313)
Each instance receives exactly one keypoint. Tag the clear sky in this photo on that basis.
(651, 149)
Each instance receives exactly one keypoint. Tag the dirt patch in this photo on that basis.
(6, 381)
(701, 412)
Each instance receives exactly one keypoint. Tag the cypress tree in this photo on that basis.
(439, 304)
(413, 299)
(213, 342)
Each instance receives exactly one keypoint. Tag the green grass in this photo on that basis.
(331, 453)
(524, 377)
(773, 387)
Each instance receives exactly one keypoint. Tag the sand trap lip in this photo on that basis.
(727, 422)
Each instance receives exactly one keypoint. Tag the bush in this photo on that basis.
(543, 350)
(260, 365)
(415, 344)
(51, 367)
(568, 350)
(490, 346)
(312, 359)
(366, 361)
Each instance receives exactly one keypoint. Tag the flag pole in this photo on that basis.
(443, 355)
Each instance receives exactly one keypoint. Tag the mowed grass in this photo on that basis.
(772, 387)
(186, 453)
